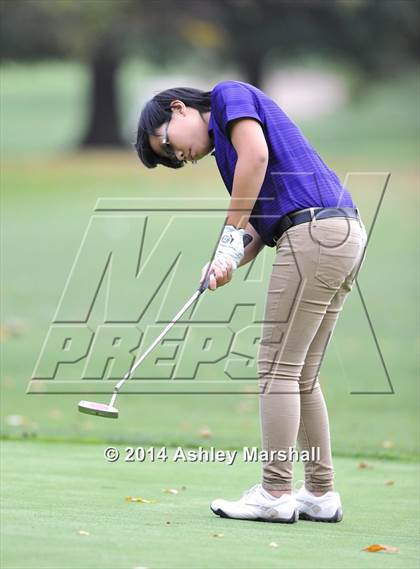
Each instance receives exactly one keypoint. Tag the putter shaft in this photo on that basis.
(158, 339)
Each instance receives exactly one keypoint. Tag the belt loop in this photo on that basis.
(313, 219)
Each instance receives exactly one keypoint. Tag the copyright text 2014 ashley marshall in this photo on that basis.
(211, 454)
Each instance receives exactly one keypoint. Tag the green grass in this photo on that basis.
(47, 205)
(43, 107)
(71, 488)
(53, 490)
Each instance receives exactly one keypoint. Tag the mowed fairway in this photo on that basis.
(55, 481)
(65, 506)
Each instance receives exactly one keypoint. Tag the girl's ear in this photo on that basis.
(179, 107)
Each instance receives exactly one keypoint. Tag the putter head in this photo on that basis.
(92, 408)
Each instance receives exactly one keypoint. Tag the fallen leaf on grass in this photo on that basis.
(380, 547)
(170, 491)
(140, 500)
(218, 535)
(83, 532)
(364, 465)
(205, 432)
(273, 544)
(389, 482)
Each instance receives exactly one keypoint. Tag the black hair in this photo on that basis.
(156, 112)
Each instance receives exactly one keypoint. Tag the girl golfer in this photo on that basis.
(283, 195)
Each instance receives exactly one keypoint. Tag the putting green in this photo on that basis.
(65, 506)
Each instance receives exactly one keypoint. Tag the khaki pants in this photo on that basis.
(313, 272)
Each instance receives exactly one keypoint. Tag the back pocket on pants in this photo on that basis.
(336, 259)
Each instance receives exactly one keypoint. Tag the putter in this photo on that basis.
(111, 412)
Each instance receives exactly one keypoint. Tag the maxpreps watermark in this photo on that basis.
(138, 261)
(211, 454)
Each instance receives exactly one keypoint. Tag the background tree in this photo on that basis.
(375, 38)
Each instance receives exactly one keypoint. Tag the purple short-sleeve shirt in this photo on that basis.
(296, 176)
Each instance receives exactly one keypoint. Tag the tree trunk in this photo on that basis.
(252, 66)
(103, 125)
(254, 71)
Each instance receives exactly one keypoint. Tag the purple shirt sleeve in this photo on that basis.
(233, 101)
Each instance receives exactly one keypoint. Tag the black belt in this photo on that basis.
(308, 214)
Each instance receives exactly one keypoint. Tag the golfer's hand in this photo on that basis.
(228, 255)
(230, 247)
(220, 274)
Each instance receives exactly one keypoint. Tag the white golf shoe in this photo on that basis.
(258, 505)
(325, 508)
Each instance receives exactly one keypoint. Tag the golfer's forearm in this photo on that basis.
(247, 181)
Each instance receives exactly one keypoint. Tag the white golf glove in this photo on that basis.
(231, 247)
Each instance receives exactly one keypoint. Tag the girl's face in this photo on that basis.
(185, 136)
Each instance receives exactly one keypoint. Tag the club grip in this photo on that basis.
(205, 284)
(247, 238)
